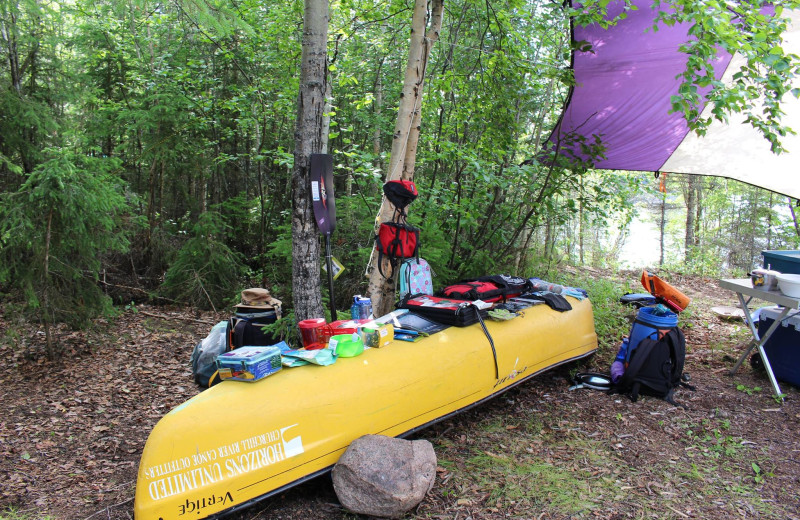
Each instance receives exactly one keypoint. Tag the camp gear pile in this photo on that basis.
(419, 314)
(651, 358)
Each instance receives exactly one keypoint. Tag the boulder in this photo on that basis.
(384, 477)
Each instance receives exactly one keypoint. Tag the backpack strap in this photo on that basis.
(677, 346)
(389, 259)
(381, 258)
(238, 333)
(635, 391)
(489, 337)
(400, 214)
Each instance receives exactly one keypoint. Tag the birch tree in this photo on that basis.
(309, 139)
(406, 133)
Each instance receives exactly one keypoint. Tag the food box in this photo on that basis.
(249, 363)
(376, 335)
(783, 347)
(786, 262)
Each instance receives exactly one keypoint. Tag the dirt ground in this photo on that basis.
(71, 432)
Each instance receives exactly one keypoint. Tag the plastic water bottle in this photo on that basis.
(354, 312)
(364, 309)
(361, 308)
(623, 351)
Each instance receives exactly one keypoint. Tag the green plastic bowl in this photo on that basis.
(346, 345)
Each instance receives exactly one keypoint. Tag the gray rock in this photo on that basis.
(384, 477)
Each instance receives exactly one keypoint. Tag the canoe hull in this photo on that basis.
(238, 442)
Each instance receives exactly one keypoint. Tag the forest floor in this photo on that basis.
(72, 432)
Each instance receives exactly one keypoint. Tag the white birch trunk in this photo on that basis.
(309, 139)
(405, 136)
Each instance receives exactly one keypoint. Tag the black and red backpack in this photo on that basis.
(488, 288)
(400, 193)
(397, 240)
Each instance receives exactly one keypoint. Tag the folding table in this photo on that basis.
(744, 287)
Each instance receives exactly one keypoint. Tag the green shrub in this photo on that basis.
(611, 318)
(53, 230)
(206, 272)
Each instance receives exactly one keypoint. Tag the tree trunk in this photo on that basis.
(306, 290)
(580, 225)
(691, 210)
(699, 217)
(326, 117)
(151, 206)
(376, 132)
(405, 136)
(52, 353)
(769, 221)
(794, 217)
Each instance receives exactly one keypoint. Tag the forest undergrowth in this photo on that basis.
(72, 431)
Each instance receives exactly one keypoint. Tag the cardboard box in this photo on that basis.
(376, 335)
(249, 363)
(783, 347)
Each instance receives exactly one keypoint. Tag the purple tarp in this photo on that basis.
(622, 94)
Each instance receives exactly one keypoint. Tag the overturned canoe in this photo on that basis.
(237, 442)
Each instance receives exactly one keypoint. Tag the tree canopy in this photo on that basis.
(154, 142)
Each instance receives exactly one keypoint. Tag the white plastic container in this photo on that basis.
(789, 284)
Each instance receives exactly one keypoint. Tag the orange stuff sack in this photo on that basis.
(664, 292)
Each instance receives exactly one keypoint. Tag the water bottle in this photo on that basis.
(361, 308)
(354, 311)
(623, 350)
(365, 308)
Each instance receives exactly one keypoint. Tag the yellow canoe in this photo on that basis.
(239, 442)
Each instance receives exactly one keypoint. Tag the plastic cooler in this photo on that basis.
(786, 262)
(783, 347)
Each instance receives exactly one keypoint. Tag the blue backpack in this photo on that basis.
(416, 277)
(653, 356)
